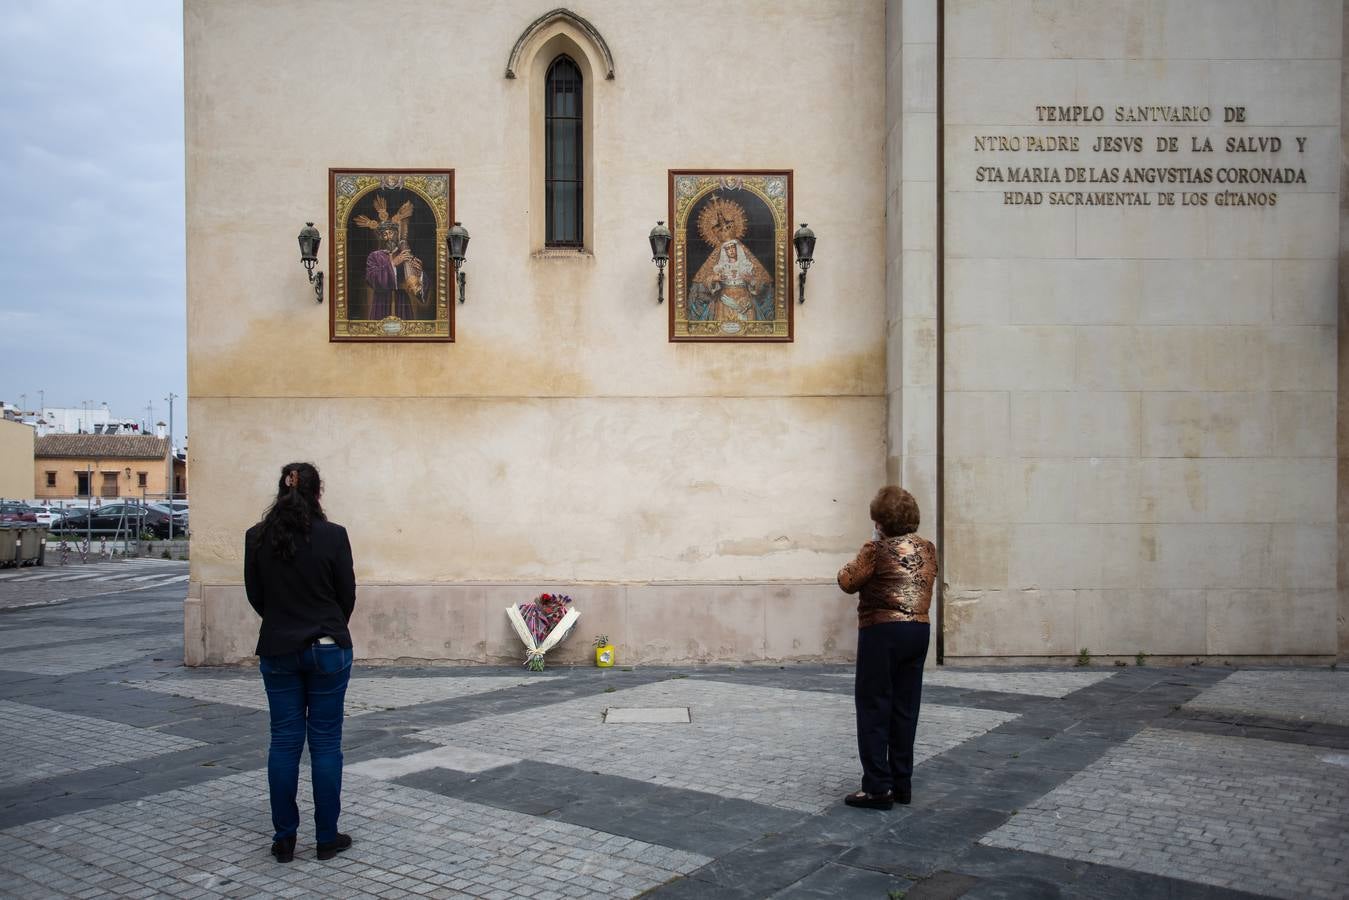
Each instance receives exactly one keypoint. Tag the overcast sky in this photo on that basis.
(91, 163)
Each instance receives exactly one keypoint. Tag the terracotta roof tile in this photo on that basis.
(101, 446)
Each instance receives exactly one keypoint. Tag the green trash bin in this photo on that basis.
(9, 546)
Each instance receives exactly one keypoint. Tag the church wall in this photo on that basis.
(695, 499)
(1140, 401)
(911, 265)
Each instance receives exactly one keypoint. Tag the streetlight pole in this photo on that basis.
(173, 459)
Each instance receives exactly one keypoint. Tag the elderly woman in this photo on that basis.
(894, 572)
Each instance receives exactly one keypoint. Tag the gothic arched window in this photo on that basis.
(564, 160)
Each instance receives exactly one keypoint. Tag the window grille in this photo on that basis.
(564, 162)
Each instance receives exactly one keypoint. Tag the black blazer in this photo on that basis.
(303, 598)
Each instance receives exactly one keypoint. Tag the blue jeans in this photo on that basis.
(305, 693)
(888, 690)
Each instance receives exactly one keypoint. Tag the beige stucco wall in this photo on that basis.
(16, 460)
(127, 471)
(1140, 404)
(561, 441)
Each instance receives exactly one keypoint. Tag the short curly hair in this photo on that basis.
(895, 510)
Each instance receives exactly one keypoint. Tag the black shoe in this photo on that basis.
(284, 850)
(871, 801)
(332, 848)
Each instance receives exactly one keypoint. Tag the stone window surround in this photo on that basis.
(555, 34)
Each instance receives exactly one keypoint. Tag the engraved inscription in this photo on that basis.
(1219, 158)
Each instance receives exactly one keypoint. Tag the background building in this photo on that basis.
(1102, 356)
(16, 459)
(102, 466)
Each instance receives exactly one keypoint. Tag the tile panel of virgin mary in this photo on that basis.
(731, 256)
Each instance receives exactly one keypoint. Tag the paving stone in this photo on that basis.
(459, 759)
(37, 743)
(1304, 695)
(605, 814)
(365, 694)
(837, 881)
(785, 748)
(88, 656)
(229, 814)
(647, 715)
(1221, 789)
(33, 636)
(1041, 684)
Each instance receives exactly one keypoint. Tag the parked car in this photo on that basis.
(17, 514)
(71, 517)
(179, 519)
(130, 518)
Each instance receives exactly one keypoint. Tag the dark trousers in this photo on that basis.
(305, 694)
(889, 688)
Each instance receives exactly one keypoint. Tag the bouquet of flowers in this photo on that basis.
(541, 624)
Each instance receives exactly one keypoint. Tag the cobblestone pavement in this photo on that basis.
(1307, 696)
(1217, 810)
(124, 774)
(39, 743)
(764, 744)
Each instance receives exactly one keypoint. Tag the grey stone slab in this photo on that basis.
(647, 715)
(89, 656)
(36, 743)
(1309, 733)
(38, 635)
(831, 881)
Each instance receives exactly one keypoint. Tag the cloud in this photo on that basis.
(91, 201)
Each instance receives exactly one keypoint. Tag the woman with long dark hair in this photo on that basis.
(299, 577)
(894, 572)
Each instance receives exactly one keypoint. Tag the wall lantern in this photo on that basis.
(660, 255)
(457, 241)
(804, 239)
(309, 254)
(128, 472)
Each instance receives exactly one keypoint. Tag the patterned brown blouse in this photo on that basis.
(895, 576)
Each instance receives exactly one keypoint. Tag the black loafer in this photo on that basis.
(864, 800)
(331, 849)
(284, 850)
